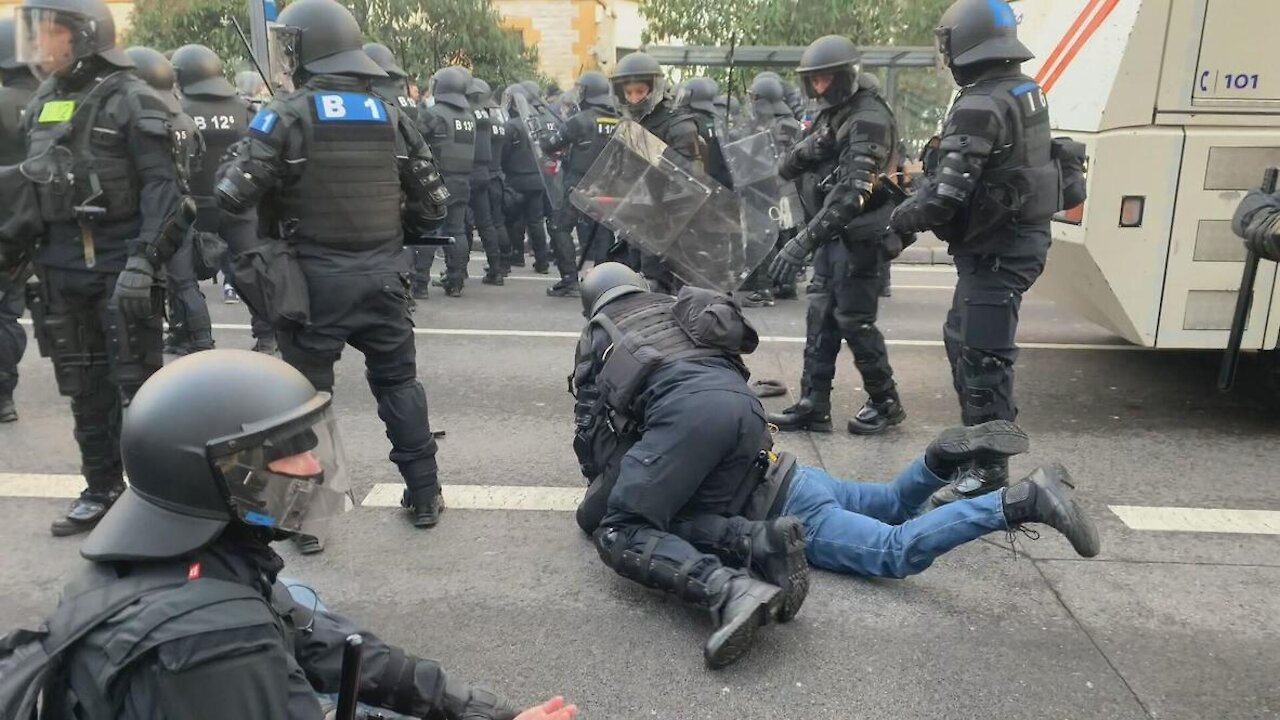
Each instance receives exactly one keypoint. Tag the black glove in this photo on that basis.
(791, 259)
(816, 146)
(472, 702)
(133, 289)
(1257, 220)
(899, 219)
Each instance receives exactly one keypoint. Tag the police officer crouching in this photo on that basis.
(327, 165)
(98, 308)
(990, 198)
(18, 87)
(676, 438)
(227, 451)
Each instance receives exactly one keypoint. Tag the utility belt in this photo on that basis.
(764, 491)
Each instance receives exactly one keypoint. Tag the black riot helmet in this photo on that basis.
(450, 85)
(768, 97)
(534, 90)
(56, 35)
(153, 67)
(833, 55)
(592, 89)
(607, 282)
(199, 72)
(510, 94)
(222, 437)
(318, 37)
(479, 94)
(699, 94)
(386, 59)
(638, 67)
(979, 32)
(8, 49)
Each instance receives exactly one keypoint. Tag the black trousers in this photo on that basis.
(13, 338)
(528, 215)
(189, 320)
(982, 325)
(371, 314)
(844, 301)
(482, 217)
(100, 359)
(455, 256)
(672, 476)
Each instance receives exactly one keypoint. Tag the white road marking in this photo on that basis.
(462, 497)
(1215, 520)
(565, 499)
(487, 497)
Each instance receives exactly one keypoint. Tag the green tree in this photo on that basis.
(425, 35)
(922, 94)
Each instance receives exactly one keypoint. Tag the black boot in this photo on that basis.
(265, 345)
(84, 513)
(775, 551)
(424, 506)
(1046, 497)
(308, 544)
(972, 479)
(740, 605)
(958, 445)
(8, 411)
(566, 288)
(877, 416)
(811, 413)
(493, 277)
(759, 298)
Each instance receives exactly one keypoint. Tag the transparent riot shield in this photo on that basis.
(650, 197)
(540, 128)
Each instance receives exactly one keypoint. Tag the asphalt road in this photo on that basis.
(1164, 624)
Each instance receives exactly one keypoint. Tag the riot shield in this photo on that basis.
(650, 197)
(539, 129)
(770, 204)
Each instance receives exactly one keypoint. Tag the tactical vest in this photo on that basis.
(498, 138)
(645, 336)
(393, 91)
(455, 153)
(101, 167)
(522, 159)
(348, 195)
(600, 126)
(13, 142)
(484, 142)
(221, 122)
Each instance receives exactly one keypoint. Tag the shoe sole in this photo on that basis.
(1065, 505)
(947, 495)
(9, 418)
(997, 438)
(736, 640)
(818, 427)
(857, 429)
(794, 579)
(69, 529)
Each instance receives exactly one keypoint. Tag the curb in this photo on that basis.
(916, 255)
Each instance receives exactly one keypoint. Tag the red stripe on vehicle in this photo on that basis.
(1080, 42)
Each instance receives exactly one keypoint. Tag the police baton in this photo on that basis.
(1244, 300)
(349, 685)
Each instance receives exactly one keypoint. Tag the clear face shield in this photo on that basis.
(45, 40)
(282, 55)
(942, 44)
(287, 474)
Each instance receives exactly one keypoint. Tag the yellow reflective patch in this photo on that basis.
(57, 111)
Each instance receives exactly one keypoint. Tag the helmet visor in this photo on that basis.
(282, 55)
(288, 474)
(45, 40)
(942, 43)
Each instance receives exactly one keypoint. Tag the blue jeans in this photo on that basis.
(873, 528)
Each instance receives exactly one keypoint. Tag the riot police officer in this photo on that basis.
(449, 127)
(478, 94)
(523, 185)
(328, 165)
(848, 148)
(640, 89)
(648, 471)
(18, 87)
(496, 186)
(395, 87)
(990, 199)
(190, 327)
(181, 570)
(222, 117)
(106, 238)
(580, 141)
(698, 98)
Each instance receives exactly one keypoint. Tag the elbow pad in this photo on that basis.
(240, 188)
(422, 182)
(472, 702)
(955, 181)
